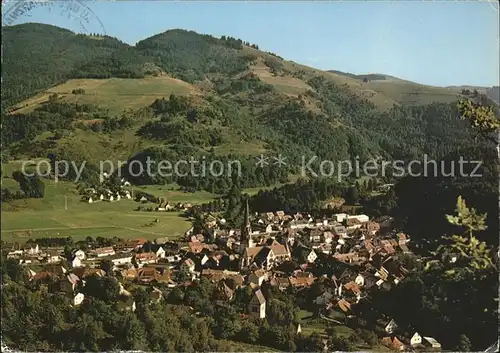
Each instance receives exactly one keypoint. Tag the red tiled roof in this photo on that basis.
(105, 250)
(344, 305)
(145, 256)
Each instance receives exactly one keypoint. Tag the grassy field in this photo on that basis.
(284, 84)
(246, 347)
(62, 213)
(116, 94)
(406, 92)
(172, 194)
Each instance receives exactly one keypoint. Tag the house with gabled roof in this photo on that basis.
(158, 250)
(257, 305)
(258, 277)
(146, 274)
(416, 339)
(431, 342)
(145, 258)
(101, 252)
(393, 343)
(53, 257)
(371, 228)
(343, 305)
(391, 327)
(69, 283)
(77, 299)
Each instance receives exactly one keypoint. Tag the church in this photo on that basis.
(261, 256)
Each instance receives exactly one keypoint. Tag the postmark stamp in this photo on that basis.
(75, 10)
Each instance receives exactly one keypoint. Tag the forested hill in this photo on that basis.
(179, 93)
(38, 56)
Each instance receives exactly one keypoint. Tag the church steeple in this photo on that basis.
(246, 221)
(246, 230)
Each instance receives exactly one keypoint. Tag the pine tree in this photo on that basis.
(464, 344)
(463, 254)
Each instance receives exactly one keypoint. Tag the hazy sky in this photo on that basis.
(437, 43)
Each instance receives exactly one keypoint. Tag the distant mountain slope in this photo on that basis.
(494, 94)
(370, 77)
(38, 56)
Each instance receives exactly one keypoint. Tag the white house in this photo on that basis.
(80, 254)
(121, 259)
(33, 250)
(145, 258)
(76, 262)
(14, 253)
(341, 231)
(391, 327)
(311, 257)
(431, 342)
(78, 299)
(362, 218)
(339, 217)
(159, 251)
(416, 339)
(360, 280)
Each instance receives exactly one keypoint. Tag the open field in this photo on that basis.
(283, 84)
(406, 92)
(80, 220)
(61, 213)
(116, 94)
(172, 194)
(246, 347)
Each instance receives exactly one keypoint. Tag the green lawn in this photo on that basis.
(302, 315)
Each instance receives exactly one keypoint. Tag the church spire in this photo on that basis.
(246, 230)
(247, 216)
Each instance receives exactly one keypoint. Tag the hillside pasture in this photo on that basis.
(115, 94)
(406, 92)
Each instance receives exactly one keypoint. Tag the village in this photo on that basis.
(277, 249)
